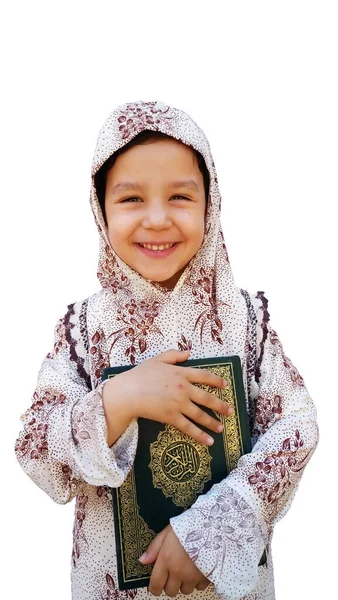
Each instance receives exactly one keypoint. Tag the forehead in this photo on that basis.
(165, 157)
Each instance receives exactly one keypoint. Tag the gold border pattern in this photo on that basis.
(135, 535)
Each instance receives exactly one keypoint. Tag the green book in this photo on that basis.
(171, 470)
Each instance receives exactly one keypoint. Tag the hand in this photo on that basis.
(174, 570)
(160, 390)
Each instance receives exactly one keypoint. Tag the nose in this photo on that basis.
(157, 217)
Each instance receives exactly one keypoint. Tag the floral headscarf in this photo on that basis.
(205, 312)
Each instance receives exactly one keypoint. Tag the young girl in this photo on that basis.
(167, 295)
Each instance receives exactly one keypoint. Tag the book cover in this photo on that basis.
(171, 470)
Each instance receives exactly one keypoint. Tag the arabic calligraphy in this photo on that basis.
(180, 461)
(180, 466)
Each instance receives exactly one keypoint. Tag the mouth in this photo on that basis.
(158, 247)
(157, 250)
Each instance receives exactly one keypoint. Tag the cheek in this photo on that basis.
(192, 222)
(120, 227)
(197, 230)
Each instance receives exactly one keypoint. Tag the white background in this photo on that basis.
(261, 79)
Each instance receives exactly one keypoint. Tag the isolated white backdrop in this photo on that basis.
(261, 80)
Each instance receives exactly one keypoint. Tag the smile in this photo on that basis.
(158, 251)
(156, 248)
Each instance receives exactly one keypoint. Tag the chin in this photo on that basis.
(169, 280)
(159, 278)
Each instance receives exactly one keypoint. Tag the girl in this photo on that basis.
(167, 295)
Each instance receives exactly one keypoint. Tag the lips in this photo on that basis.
(157, 251)
(158, 247)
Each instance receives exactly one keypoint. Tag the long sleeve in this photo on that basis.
(226, 531)
(63, 442)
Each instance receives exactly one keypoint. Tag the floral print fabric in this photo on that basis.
(63, 442)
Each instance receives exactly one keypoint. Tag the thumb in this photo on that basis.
(171, 357)
(150, 556)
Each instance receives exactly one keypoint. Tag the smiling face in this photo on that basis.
(155, 207)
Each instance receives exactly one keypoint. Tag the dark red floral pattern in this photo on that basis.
(98, 353)
(110, 275)
(269, 410)
(296, 378)
(224, 246)
(113, 593)
(204, 293)
(103, 492)
(61, 341)
(274, 476)
(33, 442)
(68, 478)
(184, 344)
(79, 540)
(138, 321)
(137, 117)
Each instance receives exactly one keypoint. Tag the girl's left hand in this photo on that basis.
(173, 570)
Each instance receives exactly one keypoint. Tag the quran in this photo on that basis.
(171, 469)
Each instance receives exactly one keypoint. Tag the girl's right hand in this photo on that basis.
(159, 390)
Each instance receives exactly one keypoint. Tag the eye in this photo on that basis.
(179, 197)
(131, 199)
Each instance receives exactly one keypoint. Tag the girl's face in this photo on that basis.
(155, 206)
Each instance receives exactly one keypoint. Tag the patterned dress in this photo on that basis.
(63, 443)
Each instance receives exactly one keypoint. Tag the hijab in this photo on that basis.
(137, 319)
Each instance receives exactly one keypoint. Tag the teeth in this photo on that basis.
(157, 248)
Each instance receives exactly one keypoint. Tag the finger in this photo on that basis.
(200, 416)
(158, 578)
(211, 401)
(150, 555)
(187, 588)
(171, 357)
(187, 427)
(172, 587)
(202, 585)
(196, 375)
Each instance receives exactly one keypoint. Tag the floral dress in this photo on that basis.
(63, 442)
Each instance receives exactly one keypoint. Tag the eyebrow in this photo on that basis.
(186, 183)
(126, 185)
(129, 185)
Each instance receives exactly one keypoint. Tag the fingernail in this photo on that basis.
(220, 427)
(210, 441)
(230, 410)
(225, 383)
(143, 556)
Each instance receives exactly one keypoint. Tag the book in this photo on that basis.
(171, 470)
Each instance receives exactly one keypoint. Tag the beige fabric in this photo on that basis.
(63, 446)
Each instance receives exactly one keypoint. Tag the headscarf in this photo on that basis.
(205, 312)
